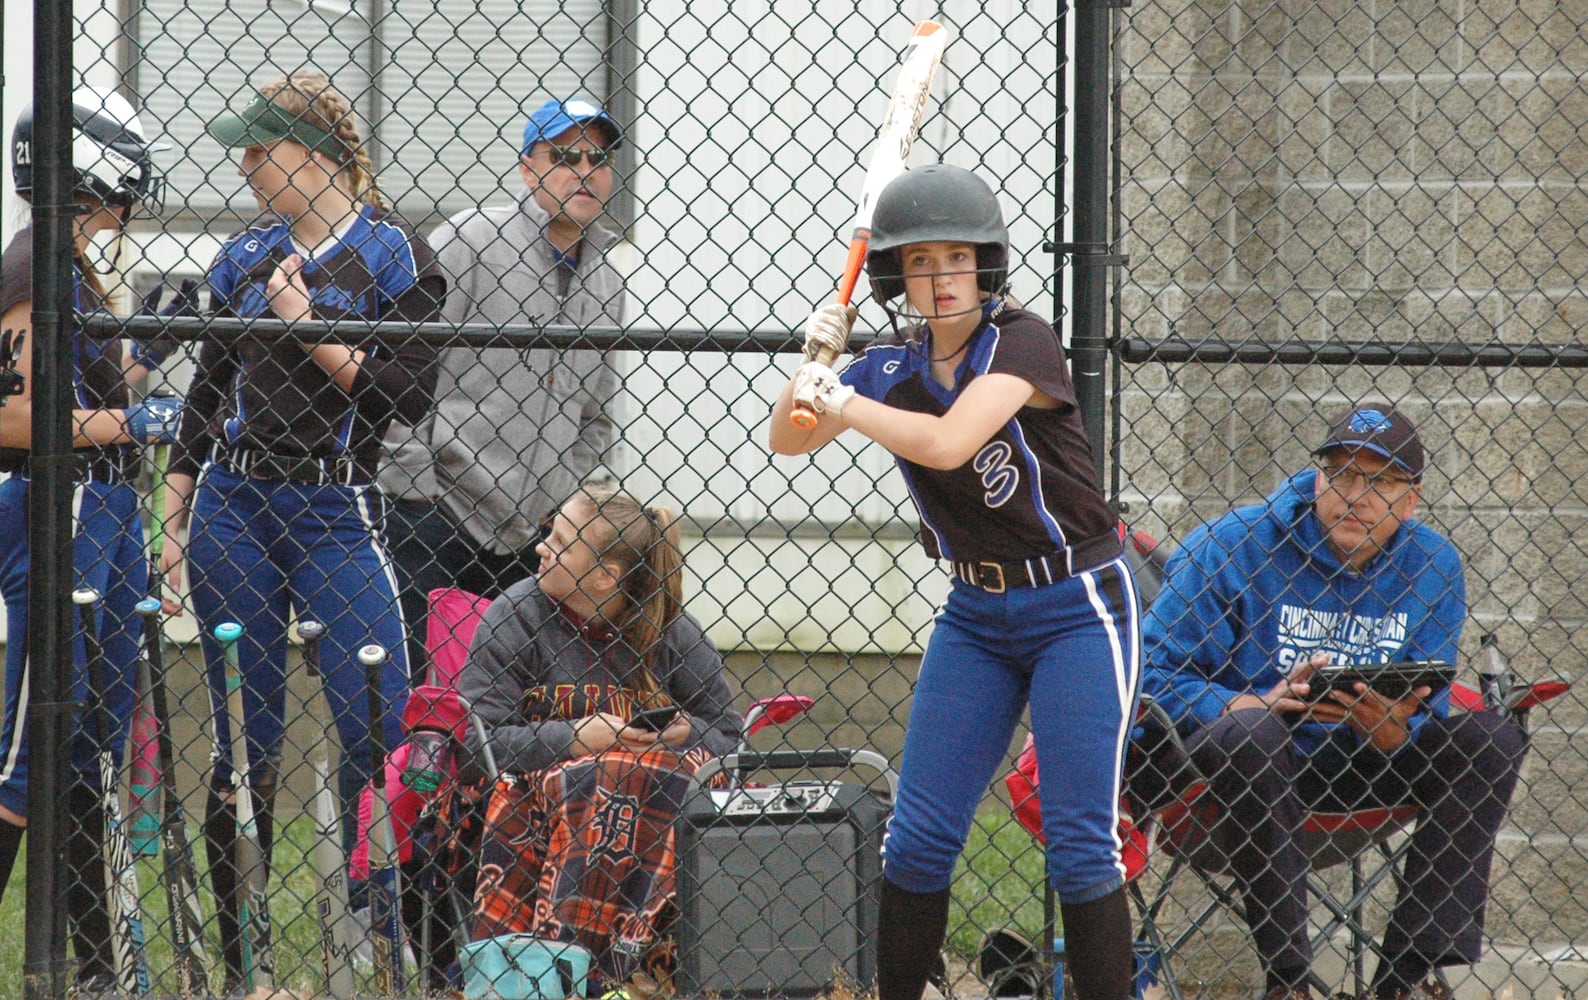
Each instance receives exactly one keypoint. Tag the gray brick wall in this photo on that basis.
(1384, 171)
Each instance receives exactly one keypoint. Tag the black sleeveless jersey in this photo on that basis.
(1029, 491)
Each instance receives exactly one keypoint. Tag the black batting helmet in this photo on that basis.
(936, 203)
(110, 156)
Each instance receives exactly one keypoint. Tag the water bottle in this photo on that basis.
(1494, 674)
(429, 759)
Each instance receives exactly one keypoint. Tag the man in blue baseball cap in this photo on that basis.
(566, 160)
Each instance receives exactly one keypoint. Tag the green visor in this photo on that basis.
(264, 121)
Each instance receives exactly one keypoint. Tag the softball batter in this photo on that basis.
(974, 400)
(287, 436)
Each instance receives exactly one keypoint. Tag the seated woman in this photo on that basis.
(578, 843)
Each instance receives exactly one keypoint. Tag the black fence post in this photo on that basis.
(50, 619)
(1091, 252)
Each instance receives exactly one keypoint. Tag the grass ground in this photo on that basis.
(999, 884)
(296, 931)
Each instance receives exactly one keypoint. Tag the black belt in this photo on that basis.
(256, 463)
(88, 469)
(1039, 571)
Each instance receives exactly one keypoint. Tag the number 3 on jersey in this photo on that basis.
(998, 474)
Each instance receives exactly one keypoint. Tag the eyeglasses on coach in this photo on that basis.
(1348, 479)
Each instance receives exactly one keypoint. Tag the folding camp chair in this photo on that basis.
(1170, 814)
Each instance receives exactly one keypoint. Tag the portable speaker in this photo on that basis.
(778, 885)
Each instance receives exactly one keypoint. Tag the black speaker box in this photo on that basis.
(778, 884)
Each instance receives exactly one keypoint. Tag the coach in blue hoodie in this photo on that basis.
(1333, 567)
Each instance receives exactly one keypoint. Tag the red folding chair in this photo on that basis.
(1180, 829)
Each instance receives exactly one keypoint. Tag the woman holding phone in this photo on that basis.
(591, 680)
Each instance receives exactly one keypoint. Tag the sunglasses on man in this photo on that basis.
(571, 156)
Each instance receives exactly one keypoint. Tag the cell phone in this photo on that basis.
(1392, 680)
(655, 719)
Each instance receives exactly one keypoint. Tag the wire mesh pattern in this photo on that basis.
(1321, 204)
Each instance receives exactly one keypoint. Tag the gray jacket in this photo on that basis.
(513, 432)
(532, 673)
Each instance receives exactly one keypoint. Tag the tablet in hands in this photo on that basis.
(1392, 680)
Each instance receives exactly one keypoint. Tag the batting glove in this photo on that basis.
(154, 420)
(818, 387)
(153, 353)
(827, 331)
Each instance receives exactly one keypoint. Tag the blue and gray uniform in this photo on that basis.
(107, 551)
(285, 516)
(1042, 609)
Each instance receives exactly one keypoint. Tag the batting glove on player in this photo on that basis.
(817, 386)
(153, 353)
(154, 420)
(827, 331)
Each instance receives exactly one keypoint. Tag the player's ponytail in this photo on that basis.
(644, 543)
(311, 96)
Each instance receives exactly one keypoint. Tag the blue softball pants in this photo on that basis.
(261, 549)
(1072, 649)
(108, 556)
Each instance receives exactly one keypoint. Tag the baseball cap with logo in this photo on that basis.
(556, 117)
(1380, 429)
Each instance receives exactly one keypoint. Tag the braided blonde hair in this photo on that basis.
(311, 97)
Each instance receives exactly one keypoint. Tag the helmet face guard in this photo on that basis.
(936, 203)
(111, 160)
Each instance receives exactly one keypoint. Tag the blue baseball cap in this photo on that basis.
(556, 117)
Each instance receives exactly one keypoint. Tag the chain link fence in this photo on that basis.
(1320, 203)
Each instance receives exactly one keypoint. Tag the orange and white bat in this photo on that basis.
(900, 125)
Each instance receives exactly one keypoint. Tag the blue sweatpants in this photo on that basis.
(108, 556)
(1071, 649)
(259, 549)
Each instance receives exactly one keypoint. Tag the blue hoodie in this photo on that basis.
(1258, 590)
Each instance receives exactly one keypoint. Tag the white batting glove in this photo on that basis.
(827, 330)
(805, 385)
(817, 386)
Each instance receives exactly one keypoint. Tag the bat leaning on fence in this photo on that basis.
(144, 784)
(384, 880)
(253, 873)
(181, 873)
(901, 123)
(330, 867)
(146, 780)
(121, 875)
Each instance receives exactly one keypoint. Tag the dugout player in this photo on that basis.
(972, 396)
(513, 432)
(287, 435)
(113, 174)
